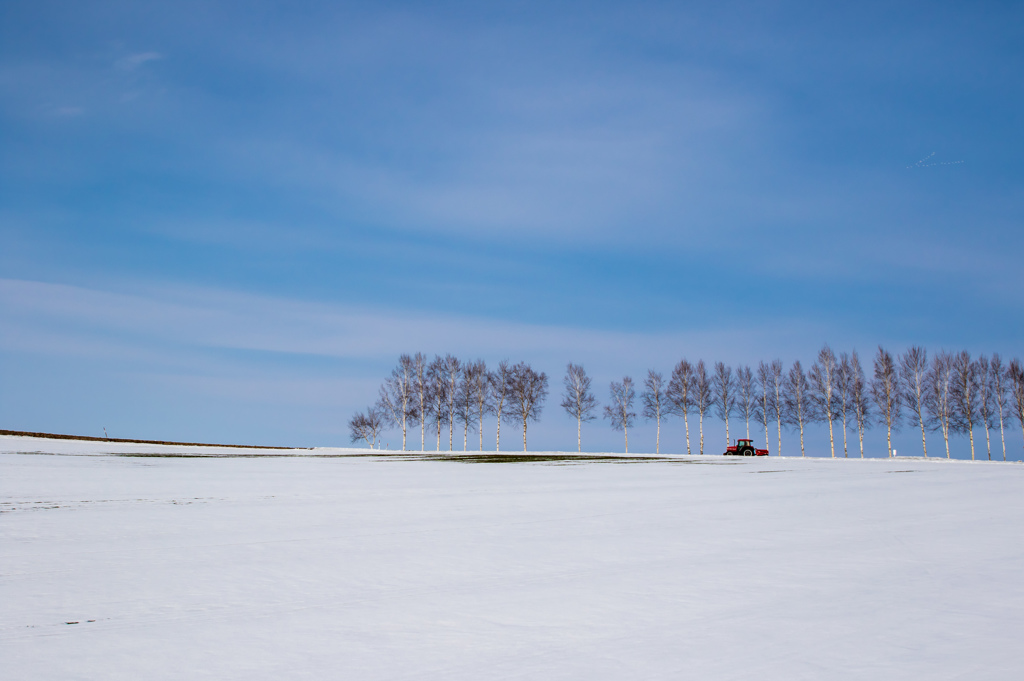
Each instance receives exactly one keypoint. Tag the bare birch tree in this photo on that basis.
(421, 391)
(914, 385)
(398, 394)
(501, 382)
(1016, 377)
(779, 387)
(578, 400)
(619, 413)
(859, 398)
(798, 407)
(366, 426)
(437, 394)
(822, 379)
(965, 395)
(654, 402)
(844, 383)
(766, 404)
(999, 388)
(452, 367)
(940, 400)
(480, 388)
(986, 401)
(465, 402)
(724, 395)
(527, 390)
(701, 396)
(679, 395)
(885, 390)
(747, 402)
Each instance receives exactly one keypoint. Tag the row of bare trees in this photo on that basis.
(949, 393)
(446, 392)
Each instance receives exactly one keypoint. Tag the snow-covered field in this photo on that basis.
(367, 567)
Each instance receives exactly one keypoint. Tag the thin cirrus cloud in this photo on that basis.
(134, 61)
(55, 319)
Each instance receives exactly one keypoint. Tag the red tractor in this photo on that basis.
(744, 448)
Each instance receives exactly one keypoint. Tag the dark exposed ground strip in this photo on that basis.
(55, 436)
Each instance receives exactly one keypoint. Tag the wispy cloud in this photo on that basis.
(133, 62)
(61, 319)
(68, 111)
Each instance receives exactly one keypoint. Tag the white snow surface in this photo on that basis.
(373, 567)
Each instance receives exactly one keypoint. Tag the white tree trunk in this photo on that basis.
(1002, 434)
(657, 441)
(625, 431)
(831, 439)
(846, 454)
(920, 420)
(801, 419)
(579, 434)
(686, 421)
(702, 434)
(524, 433)
(778, 423)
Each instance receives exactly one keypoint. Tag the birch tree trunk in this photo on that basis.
(686, 422)
(778, 423)
(702, 434)
(801, 419)
(845, 454)
(924, 442)
(766, 429)
(1002, 434)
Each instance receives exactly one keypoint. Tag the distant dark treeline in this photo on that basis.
(950, 393)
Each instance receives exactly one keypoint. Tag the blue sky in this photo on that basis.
(226, 220)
